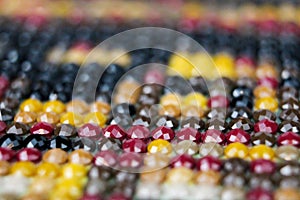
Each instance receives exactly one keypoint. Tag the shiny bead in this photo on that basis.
(208, 163)
(266, 125)
(4, 168)
(101, 107)
(25, 117)
(209, 177)
(289, 182)
(240, 112)
(268, 103)
(96, 118)
(188, 134)
(54, 106)
(139, 132)
(80, 156)
(241, 123)
(237, 150)
(261, 152)
(238, 135)
(114, 131)
(259, 115)
(286, 93)
(73, 171)
(90, 131)
(17, 129)
(47, 169)
(196, 99)
(286, 194)
(289, 126)
(105, 158)
(259, 194)
(266, 70)
(24, 168)
(216, 113)
(156, 161)
(56, 156)
(216, 124)
(6, 115)
(65, 130)
(241, 91)
(48, 117)
(60, 142)
(11, 141)
(36, 141)
(234, 179)
(218, 101)
(77, 106)
(211, 149)
(183, 160)
(130, 160)
(261, 180)
(153, 176)
(164, 133)
(267, 139)
(29, 154)
(287, 153)
(31, 105)
(237, 165)
(170, 110)
(108, 144)
(170, 99)
(232, 193)
(41, 187)
(290, 114)
(192, 122)
(213, 136)
(134, 145)
(68, 188)
(71, 118)
(179, 174)
(159, 146)
(290, 168)
(261, 166)
(268, 82)
(6, 154)
(42, 128)
(263, 91)
(3, 127)
(186, 146)
(289, 138)
(166, 121)
(192, 111)
(225, 65)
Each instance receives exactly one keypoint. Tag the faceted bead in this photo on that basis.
(90, 131)
(174, 99)
(109, 144)
(267, 139)
(208, 163)
(147, 111)
(268, 82)
(290, 168)
(237, 165)
(114, 131)
(153, 176)
(183, 160)
(259, 115)
(73, 171)
(25, 117)
(289, 126)
(17, 129)
(29, 154)
(268, 103)
(192, 111)
(141, 121)
(209, 177)
(195, 99)
(60, 142)
(290, 114)
(170, 110)
(65, 130)
(234, 179)
(186, 146)
(80, 156)
(212, 135)
(164, 133)
(4, 168)
(266, 70)
(138, 132)
(261, 180)
(216, 124)
(287, 152)
(124, 109)
(290, 103)
(216, 113)
(77, 106)
(242, 101)
(246, 82)
(199, 84)
(266, 125)
(241, 123)
(6, 154)
(179, 175)
(261, 152)
(232, 193)
(48, 117)
(71, 118)
(289, 182)
(24, 168)
(124, 121)
(42, 128)
(236, 150)
(286, 93)
(238, 135)
(130, 160)
(54, 106)
(3, 127)
(67, 188)
(286, 194)
(192, 122)
(259, 194)
(36, 141)
(241, 91)
(156, 161)
(262, 166)
(31, 105)
(263, 91)
(47, 169)
(188, 134)
(95, 187)
(159, 146)
(289, 138)
(40, 188)
(56, 156)
(101, 107)
(11, 141)
(211, 149)
(134, 145)
(105, 158)
(240, 112)
(166, 121)
(96, 118)
(218, 101)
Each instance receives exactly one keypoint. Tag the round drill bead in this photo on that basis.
(179, 174)
(218, 101)
(11, 141)
(286, 193)
(71, 118)
(139, 132)
(77, 106)
(3, 127)
(287, 152)
(237, 165)
(6, 154)
(236, 150)
(183, 160)
(65, 130)
(42, 128)
(164, 133)
(31, 105)
(259, 115)
(101, 107)
(259, 194)
(238, 135)
(208, 163)
(262, 166)
(134, 145)
(25, 117)
(215, 136)
(90, 130)
(73, 171)
(268, 103)
(55, 106)
(186, 146)
(29, 154)
(188, 133)
(263, 91)
(159, 146)
(80, 156)
(24, 168)
(209, 177)
(196, 99)
(47, 169)
(96, 118)
(261, 152)
(48, 117)
(114, 131)
(211, 149)
(105, 158)
(266, 125)
(267, 139)
(130, 160)
(56, 156)
(289, 138)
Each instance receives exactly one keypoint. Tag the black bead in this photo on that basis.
(11, 141)
(6, 115)
(36, 141)
(60, 142)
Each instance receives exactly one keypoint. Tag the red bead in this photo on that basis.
(3, 127)
(268, 82)
(218, 101)
(183, 160)
(89, 130)
(134, 145)
(4, 83)
(259, 194)
(213, 135)
(6, 154)
(105, 158)
(238, 135)
(262, 166)
(164, 133)
(208, 163)
(114, 131)
(188, 133)
(289, 138)
(90, 197)
(130, 160)
(266, 125)
(42, 128)
(244, 61)
(139, 132)
(29, 154)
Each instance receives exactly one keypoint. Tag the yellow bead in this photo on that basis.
(99, 106)
(261, 152)
(263, 91)
(54, 106)
(195, 99)
(25, 117)
(225, 65)
(24, 168)
(268, 103)
(159, 146)
(180, 174)
(31, 105)
(266, 70)
(69, 187)
(72, 170)
(50, 170)
(42, 186)
(180, 65)
(203, 66)
(236, 150)
(77, 106)
(170, 99)
(170, 110)
(95, 118)
(59, 195)
(71, 118)
(49, 117)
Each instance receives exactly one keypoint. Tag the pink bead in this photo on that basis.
(268, 82)
(130, 160)
(183, 160)
(244, 61)
(134, 145)
(289, 138)
(139, 132)
(3, 127)
(262, 166)
(213, 135)
(6, 154)
(90, 130)
(114, 131)
(266, 125)
(164, 133)
(208, 163)
(238, 135)
(218, 101)
(42, 128)
(188, 133)
(259, 194)
(154, 76)
(29, 154)
(105, 158)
